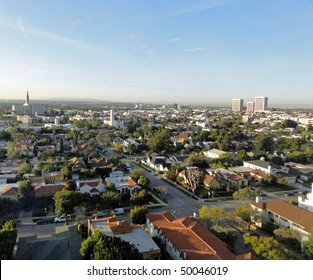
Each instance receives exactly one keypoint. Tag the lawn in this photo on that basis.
(276, 188)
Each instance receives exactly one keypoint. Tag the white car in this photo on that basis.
(62, 218)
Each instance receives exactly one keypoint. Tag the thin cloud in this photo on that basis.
(50, 36)
(20, 22)
(230, 46)
(76, 22)
(196, 49)
(198, 7)
(174, 40)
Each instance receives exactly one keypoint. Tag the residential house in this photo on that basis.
(187, 239)
(286, 215)
(266, 167)
(124, 184)
(134, 234)
(214, 153)
(47, 190)
(211, 183)
(306, 201)
(158, 163)
(177, 158)
(228, 178)
(129, 141)
(91, 187)
(97, 163)
(78, 164)
(10, 192)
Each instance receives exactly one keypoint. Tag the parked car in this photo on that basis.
(99, 214)
(62, 218)
(45, 221)
(118, 211)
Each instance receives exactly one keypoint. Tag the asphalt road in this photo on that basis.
(179, 203)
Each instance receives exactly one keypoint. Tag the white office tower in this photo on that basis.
(237, 105)
(112, 117)
(250, 107)
(56, 121)
(260, 104)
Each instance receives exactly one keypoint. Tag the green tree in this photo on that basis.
(308, 246)
(144, 182)
(110, 187)
(8, 236)
(214, 215)
(266, 247)
(264, 142)
(23, 169)
(12, 150)
(102, 247)
(248, 214)
(8, 207)
(136, 173)
(26, 194)
(160, 141)
(245, 195)
(70, 185)
(67, 172)
(112, 199)
(140, 197)
(138, 215)
(65, 201)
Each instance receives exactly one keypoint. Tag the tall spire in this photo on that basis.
(27, 98)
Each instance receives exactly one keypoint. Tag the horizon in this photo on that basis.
(184, 52)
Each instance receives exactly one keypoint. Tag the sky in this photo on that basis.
(163, 51)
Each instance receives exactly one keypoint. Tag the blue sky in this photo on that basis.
(183, 51)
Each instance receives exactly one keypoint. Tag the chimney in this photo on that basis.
(263, 205)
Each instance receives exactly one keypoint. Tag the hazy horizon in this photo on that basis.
(158, 51)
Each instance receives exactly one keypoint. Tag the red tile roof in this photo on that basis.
(131, 183)
(190, 237)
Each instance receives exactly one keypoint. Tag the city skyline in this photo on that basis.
(201, 52)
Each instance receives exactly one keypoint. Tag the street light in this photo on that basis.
(46, 212)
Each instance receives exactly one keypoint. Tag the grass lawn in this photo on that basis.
(276, 188)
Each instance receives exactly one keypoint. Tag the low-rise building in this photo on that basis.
(124, 184)
(187, 239)
(135, 235)
(266, 167)
(286, 215)
(214, 153)
(91, 187)
(306, 201)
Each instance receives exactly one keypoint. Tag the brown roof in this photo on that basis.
(48, 189)
(295, 214)
(120, 227)
(131, 183)
(10, 191)
(91, 184)
(190, 237)
(209, 180)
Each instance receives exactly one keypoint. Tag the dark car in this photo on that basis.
(45, 221)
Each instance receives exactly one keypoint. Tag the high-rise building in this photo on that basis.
(250, 107)
(260, 104)
(112, 117)
(237, 105)
(28, 109)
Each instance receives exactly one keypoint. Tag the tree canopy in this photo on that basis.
(266, 247)
(102, 247)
